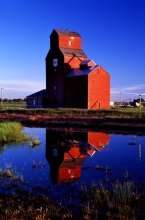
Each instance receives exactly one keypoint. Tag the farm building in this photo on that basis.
(37, 99)
(72, 81)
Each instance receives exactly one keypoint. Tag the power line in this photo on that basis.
(20, 89)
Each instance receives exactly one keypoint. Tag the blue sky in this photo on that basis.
(113, 35)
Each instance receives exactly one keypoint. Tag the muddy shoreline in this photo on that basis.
(115, 125)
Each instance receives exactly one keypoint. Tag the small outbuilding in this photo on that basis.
(37, 100)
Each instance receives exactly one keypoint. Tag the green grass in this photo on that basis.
(119, 202)
(20, 108)
(95, 201)
(12, 132)
(13, 104)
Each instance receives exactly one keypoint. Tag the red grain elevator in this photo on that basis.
(72, 81)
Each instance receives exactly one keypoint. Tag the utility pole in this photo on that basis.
(1, 96)
(140, 106)
(120, 98)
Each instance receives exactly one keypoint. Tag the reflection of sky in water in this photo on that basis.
(22, 157)
(120, 155)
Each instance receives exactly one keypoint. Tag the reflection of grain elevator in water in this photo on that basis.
(138, 144)
(67, 151)
(139, 149)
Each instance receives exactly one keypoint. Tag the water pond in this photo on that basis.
(69, 156)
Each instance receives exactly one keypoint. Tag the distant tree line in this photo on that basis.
(14, 100)
(131, 103)
(138, 100)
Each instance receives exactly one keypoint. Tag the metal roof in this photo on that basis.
(78, 72)
(67, 33)
(39, 94)
(85, 62)
(70, 52)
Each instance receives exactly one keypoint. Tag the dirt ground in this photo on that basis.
(130, 125)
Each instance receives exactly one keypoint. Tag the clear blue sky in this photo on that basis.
(113, 35)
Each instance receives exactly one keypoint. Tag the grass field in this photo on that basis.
(20, 108)
(4, 105)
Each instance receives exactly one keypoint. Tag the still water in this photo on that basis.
(74, 156)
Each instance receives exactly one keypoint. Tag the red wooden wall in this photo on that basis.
(98, 89)
(70, 42)
(98, 139)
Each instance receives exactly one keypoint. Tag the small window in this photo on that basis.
(69, 43)
(55, 152)
(54, 87)
(55, 62)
